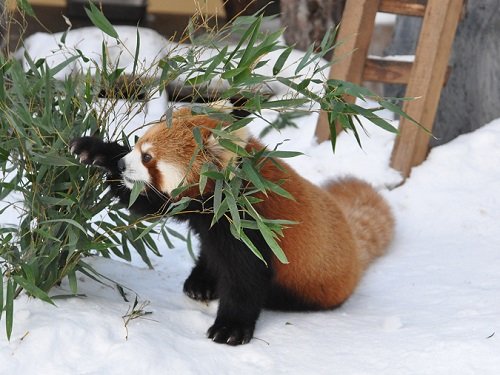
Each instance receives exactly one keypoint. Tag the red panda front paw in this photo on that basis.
(231, 333)
(199, 288)
(90, 150)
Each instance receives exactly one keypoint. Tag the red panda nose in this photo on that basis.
(121, 165)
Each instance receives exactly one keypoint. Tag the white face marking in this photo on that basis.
(171, 174)
(134, 169)
(145, 147)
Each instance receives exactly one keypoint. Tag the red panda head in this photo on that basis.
(163, 157)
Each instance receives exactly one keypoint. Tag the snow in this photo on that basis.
(430, 306)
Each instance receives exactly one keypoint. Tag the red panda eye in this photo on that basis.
(146, 158)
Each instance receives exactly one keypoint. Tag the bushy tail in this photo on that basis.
(368, 214)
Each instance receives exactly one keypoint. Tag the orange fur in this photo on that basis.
(340, 228)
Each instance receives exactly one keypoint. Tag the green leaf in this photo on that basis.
(9, 307)
(33, 289)
(64, 220)
(73, 284)
(271, 242)
(197, 136)
(137, 50)
(198, 80)
(222, 209)
(284, 103)
(179, 206)
(141, 249)
(135, 192)
(306, 59)
(218, 193)
(217, 60)
(233, 147)
(53, 159)
(233, 72)
(368, 114)
(397, 110)
(25, 6)
(164, 234)
(252, 175)
(281, 154)
(349, 88)
(176, 234)
(233, 209)
(179, 190)
(279, 190)
(189, 244)
(203, 178)
(254, 31)
(56, 69)
(244, 238)
(214, 175)
(146, 230)
(99, 20)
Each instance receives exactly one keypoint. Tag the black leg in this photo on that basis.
(201, 284)
(243, 283)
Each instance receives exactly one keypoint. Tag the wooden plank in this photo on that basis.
(404, 7)
(427, 78)
(349, 57)
(387, 70)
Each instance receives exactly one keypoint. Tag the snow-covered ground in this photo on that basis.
(430, 306)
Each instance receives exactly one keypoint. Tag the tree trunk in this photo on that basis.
(471, 96)
(307, 21)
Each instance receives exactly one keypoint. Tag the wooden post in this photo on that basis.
(426, 81)
(355, 34)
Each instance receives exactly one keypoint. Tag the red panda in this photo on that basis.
(341, 227)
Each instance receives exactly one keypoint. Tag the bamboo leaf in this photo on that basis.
(281, 154)
(368, 114)
(268, 236)
(99, 20)
(26, 7)
(280, 62)
(56, 69)
(279, 190)
(146, 231)
(233, 209)
(252, 175)
(203, 178)
(73, 284)
(398, 111)
(137, 50)
(233, 147)
(218, 193)
(135, 192)
(9, 307)
(189, 244)
(176, 234)
(65, 220)
(217, 60)
(33, 289)
(251, 246)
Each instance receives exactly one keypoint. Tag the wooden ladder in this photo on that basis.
(424, 77)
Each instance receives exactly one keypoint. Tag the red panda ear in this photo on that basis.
(205, 123)
(223, 155)
(182, 112)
